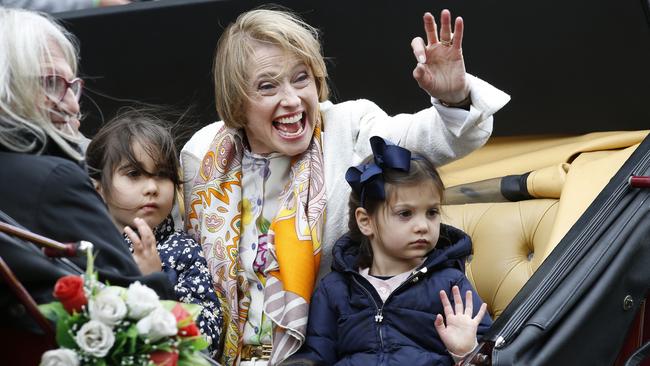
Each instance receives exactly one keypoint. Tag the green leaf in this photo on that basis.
(120, 344)
(54, 311)
(63, 336)
(196, 343)
(132, 337)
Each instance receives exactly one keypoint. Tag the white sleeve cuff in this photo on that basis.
(486, 100)
(458, 358)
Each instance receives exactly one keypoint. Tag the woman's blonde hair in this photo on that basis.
(235, 51)
(26, 39)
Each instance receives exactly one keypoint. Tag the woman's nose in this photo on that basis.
(70, 104)
(290, 97)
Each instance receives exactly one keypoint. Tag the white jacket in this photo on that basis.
(440, 133)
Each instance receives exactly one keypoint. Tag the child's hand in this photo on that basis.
(144, 247)
(459, 335)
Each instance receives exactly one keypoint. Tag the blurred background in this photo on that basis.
(571, 67)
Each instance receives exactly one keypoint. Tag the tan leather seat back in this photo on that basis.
(509, 239)
(512, 239)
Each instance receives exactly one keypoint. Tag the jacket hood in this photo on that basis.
(451, 250)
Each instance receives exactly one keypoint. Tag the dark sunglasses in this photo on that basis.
(57, 86)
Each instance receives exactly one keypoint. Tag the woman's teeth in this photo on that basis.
(289, 126)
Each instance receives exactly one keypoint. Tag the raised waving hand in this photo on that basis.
(441, 69)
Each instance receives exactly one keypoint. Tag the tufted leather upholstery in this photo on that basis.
(507, 238)
(512, 239)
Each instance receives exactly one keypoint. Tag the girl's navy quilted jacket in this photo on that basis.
(350, 325)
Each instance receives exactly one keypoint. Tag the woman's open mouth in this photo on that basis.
(291, 126)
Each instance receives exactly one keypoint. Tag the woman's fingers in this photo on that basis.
(419, 50)
(445, 27)
(430, 28)
(459, 28)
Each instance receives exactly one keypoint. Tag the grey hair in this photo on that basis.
(26, 39)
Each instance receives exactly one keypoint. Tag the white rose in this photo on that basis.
(140, 300)
(59, 357)
(107, 307)
(95, 338)
(158, 324)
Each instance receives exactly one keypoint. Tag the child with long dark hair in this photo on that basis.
(134, 164)
(384, 302)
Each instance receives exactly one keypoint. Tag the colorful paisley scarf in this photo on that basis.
(214, 218)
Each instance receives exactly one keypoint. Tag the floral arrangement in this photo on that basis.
(109, 325)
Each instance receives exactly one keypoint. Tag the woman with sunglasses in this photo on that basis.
(44, 186)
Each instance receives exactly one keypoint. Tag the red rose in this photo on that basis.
(70, 291)
(184, 317)
(164, 358)
(189, 331)
(180, 313)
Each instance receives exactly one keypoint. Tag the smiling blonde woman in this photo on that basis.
(278, 160)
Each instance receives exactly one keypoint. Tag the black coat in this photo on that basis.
(349, 324)
(53, 196)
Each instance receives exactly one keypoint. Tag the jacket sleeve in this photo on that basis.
(442, 134)
(320, 344)
(70, 210)
(191, 157)
(194, 286)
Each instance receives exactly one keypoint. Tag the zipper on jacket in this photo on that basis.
(378, 316)
(413, 278)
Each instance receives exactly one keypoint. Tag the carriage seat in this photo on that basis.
(512, 239)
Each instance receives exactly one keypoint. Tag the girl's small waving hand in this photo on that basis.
(459, 332)
(144, 247)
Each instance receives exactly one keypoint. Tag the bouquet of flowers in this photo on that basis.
(109, 325)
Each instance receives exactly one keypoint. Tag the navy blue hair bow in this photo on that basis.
(367, 180)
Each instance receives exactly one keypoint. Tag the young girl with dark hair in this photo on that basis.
(384, 302)
(134, 164)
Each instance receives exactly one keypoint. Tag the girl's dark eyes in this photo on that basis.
(408, 213)
(132, 173)
(404, 214)
(164, 174)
